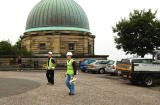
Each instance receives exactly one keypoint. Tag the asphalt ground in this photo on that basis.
(12, 86)
(91, 89)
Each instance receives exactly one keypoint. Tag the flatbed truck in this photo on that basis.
(143, 73)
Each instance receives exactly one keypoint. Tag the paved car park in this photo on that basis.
(91, 89)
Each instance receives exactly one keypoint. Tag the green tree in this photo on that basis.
(140, 34)
(18, 50)
(6, 48)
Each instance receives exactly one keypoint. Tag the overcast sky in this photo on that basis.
(102, 15)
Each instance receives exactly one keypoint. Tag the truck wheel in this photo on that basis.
(148, 81)
(101, 71)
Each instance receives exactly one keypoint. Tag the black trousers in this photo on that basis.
(50, 76)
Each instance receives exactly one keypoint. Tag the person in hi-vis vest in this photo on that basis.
(71, 73)
(50, 69)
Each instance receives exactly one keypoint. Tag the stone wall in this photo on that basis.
(60, 61)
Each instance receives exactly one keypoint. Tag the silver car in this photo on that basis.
(98, 66)
(111, 67)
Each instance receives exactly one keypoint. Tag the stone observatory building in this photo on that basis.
(58, 26)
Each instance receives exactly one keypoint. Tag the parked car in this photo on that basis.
(84, 64)
(111, 67)
(98, 66)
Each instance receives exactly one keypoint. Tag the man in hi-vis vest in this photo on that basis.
(50, 69)
(71, 73)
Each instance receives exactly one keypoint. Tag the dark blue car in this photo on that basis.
(84, 64)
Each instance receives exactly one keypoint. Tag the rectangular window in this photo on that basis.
(48, 33)
(158, 56)
(42, 46)
(71, 46)
(89, 48)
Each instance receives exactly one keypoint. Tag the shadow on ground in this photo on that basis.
(155, 87)
(111, 77)
(12, 86)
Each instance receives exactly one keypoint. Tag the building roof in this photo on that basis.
(57, 15)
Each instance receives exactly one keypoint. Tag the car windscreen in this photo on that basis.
(101, 62)
(86, 61)
(92, 61)
(110, 62)
(125, 61)
(97, 62)
(142, 60)
(89, 61)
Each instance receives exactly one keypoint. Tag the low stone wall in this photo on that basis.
(38, 62)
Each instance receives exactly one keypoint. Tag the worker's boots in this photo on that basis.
(71, 94)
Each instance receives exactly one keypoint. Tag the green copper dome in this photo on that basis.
(57, 15)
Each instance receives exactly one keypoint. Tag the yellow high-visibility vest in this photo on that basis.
(70, 67)
(51, 65)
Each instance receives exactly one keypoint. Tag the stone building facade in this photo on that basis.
(59, 42)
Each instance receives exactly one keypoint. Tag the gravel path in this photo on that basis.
(91, 89)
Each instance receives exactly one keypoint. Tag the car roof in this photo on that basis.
(90, 59)
(111, 60)
(137, 58)
(101, 60)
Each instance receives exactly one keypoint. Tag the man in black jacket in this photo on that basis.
(71, 73)
(19, 63)
(50, 69)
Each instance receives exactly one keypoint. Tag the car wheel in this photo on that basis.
(93, 72)
(118, 73)
(87, 71)
(82, 71)
(148, 81)
(113, 74)
(101, 71)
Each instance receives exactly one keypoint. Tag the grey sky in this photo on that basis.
(102, 15)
